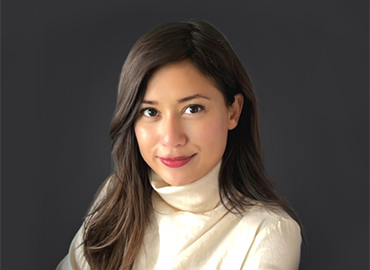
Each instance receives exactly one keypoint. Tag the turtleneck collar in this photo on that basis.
(197, 197)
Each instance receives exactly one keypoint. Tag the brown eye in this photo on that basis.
(193, 108)
(149, 112)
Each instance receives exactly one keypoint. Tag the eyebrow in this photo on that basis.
(181, 100)
(192, 97)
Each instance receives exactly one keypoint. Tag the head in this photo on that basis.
(201, 48)
(183, 123)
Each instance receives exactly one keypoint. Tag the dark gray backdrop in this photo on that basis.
(60, 66)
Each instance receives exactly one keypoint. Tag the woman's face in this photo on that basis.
(183, 123)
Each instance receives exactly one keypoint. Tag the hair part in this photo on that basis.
(115, 227)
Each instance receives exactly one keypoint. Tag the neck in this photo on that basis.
(199, 196)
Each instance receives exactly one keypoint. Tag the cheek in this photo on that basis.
(144, 138)
(212, 133)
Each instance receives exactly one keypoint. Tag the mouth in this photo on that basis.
(176, 162)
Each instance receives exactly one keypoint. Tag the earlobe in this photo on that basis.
(235, 111)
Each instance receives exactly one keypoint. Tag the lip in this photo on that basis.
(176, 162)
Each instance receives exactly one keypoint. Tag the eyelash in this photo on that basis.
(200, 107)
(142, 112)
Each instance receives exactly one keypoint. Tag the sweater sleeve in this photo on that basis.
(75, 259)
(276, 247)
(65, 264)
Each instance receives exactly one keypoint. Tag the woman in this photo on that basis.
(189, 189)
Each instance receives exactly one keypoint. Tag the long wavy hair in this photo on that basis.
(115, 226)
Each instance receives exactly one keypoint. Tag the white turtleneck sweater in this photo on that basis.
(191, 229)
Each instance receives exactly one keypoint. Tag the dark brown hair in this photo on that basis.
(115, 228)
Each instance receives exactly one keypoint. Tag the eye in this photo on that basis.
(193, 108)
(149, 112)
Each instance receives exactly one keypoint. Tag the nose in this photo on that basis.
(172, 132)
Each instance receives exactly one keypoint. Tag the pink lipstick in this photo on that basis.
(175, 162)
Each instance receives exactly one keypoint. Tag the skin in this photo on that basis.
(184, 115)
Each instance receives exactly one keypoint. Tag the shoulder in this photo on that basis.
(263, 217)
(271, 228)
(101, 193)
(276, 238)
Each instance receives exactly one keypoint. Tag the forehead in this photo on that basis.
(179, 79)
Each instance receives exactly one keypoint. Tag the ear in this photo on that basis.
(235, 110)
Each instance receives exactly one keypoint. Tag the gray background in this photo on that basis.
(60, 66)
